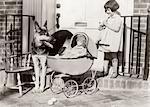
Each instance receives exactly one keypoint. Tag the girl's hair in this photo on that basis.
(112, 4)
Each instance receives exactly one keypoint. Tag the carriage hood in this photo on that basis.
(90, 45)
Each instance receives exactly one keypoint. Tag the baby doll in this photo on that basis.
(78, 50)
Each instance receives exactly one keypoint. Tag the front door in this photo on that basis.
(85, 15)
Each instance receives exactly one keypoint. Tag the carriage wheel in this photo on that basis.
(71, 88)
(89, 85)
(57, 85)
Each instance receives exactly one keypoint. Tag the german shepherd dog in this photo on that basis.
(56, 41)
(45, 44)
(40, 48)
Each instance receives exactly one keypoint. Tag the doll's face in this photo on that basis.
(80, 41)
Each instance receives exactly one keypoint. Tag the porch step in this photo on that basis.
(123, 83)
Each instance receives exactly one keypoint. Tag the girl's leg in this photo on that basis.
(115, 68)
(106, 67)
(43, 60)
(36, 70)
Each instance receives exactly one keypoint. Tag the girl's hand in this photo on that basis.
(105, 22)
(101, 27)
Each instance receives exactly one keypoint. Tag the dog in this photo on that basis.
(61, 36)
(40, 49)
(45, 44)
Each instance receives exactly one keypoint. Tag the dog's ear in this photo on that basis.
(36, 25)
(45, 24)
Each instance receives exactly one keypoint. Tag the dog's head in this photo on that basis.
(41, 30)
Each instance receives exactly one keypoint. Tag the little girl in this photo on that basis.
(112, 27)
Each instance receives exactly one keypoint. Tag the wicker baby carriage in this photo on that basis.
(69, 67)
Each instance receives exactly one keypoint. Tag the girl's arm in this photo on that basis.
(114, 24)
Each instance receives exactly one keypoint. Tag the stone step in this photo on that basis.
(123, 83)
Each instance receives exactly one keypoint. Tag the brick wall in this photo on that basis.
(125, 83)
(140, 8)
(8, 7)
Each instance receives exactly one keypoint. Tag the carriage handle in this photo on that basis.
(101, 44)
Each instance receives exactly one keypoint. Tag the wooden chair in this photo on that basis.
(18, 64)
